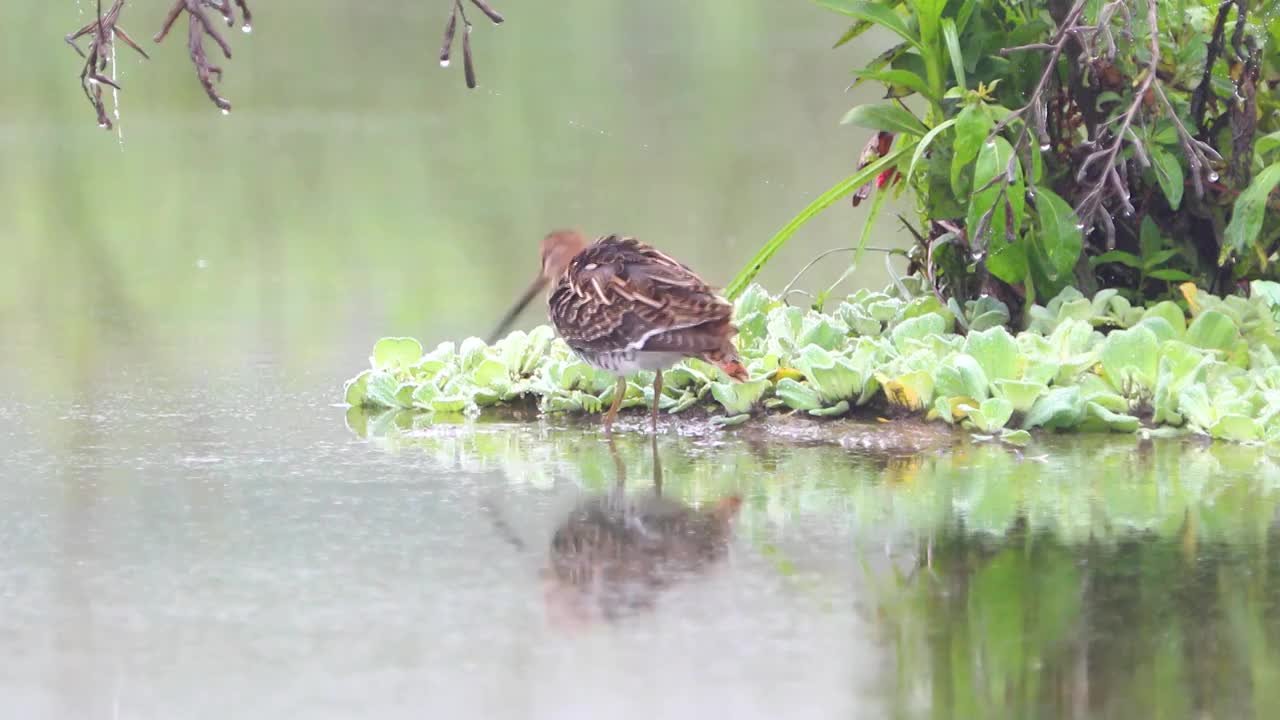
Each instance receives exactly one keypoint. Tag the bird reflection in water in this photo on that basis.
(616, 553)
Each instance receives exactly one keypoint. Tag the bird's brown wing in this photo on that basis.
(619, 293)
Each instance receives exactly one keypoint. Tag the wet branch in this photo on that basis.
(198, 26)
(103, 32)
(1103, 173)
(450, 28)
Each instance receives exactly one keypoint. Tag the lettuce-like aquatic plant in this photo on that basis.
(1085, 364)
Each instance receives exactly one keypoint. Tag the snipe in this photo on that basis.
(623, 306)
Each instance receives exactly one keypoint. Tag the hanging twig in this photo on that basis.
(199, 25)
(450, 28)
(103, 32)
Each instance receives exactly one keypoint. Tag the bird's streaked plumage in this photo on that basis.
(624, 306)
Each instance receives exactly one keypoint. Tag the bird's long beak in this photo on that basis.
(534, 288)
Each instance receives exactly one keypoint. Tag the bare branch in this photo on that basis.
(100, 56)
(456, 12)
(199, 25)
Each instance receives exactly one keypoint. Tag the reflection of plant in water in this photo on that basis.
(1032, 626)
(1103, 572)
(1081, 488)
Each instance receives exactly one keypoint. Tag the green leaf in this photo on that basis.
(1129, 360)
(881, 15)
(924, 144)
(973, 125)
(354, 390)
(991, 415)
(1237, 428)
(740, 397)
(1060, 237)
(1016, 437)
(893, 118)
(953, 48)
(1168, 173)
(1021, 394)
(1008, 261)
(1173, 314)
(1116, 421)
(916, 328)
(1169, 275)
(961, 376)
(835, 378)
(895, 79)
(1151, 261)
(1212, 330)
(856, 29)
(797, 395)
(1058, 408)
(1265, 144)
(380, 389)
(393, 353)
(1248, 213)
(995, 351)
(1117, 256)
(1003, 200)
(839, 408)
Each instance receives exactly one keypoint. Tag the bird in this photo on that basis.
(623, 306)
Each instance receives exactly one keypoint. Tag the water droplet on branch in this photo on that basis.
(246, 29)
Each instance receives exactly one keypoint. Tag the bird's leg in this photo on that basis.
(657, 466)
(618, 391)
(657, 393)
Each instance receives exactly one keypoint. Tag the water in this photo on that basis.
(190, 528)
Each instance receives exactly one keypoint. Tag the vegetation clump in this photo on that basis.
(1089, 364)
(1126, 144)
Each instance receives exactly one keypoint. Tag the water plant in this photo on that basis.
(1089, 364)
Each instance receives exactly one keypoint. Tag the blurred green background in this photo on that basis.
(359, 190)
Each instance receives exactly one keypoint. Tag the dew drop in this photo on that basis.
(1080, 226)
(1213, 177)
(1045, 147)
(444, 63)
(102, 125)
(991, 143)
(226, 111)
(246, 29)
